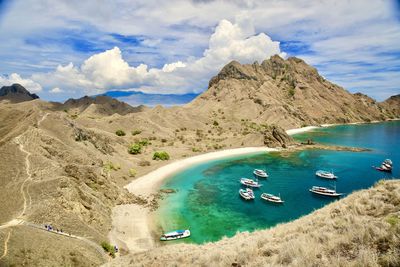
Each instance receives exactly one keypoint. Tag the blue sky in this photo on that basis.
(62, 49)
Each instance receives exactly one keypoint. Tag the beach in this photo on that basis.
(132, 223)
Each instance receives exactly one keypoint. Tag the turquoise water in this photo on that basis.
(207, 199)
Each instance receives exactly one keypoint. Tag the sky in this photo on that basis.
(62, 49)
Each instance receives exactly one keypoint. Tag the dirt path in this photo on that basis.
(6, 244)
(27, 202)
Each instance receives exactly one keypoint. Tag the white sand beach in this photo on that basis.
(131, 226)
(301, 130)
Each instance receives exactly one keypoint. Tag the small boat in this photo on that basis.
(249, 182)
(178, 234)
(386, 166)
(271, 198)
(260, 173)
(325, 191)
(325, 174)
(247, 194)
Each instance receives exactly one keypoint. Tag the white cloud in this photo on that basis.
(56, 90)
(30, 85)
(173, 66)
(108, 70)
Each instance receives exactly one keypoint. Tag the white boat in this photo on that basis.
(178, 234)
(325, 191)
(271, 198)
(386, 166)
(247, 194)
(260, 173)
(249, 182)
(325, 174)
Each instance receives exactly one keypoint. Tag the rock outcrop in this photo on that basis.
(16, 93)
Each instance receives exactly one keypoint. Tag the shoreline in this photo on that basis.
(309, 128)
(132, 229)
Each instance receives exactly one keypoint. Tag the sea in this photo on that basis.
(207, 198)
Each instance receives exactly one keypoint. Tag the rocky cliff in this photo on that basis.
(288, 93)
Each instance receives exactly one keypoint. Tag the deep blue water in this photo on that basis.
(207, 199)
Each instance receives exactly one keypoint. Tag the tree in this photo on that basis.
(161, 155)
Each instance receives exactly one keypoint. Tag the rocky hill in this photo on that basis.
(16, 93)
(98, 105)
(288, 93)
(393, 104)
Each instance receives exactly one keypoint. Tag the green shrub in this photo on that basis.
(136, 132)
(393, 220)
(120, 132)
(109, 166)
(291, 92)
(215, 123)
(108, 248)
(135, 149)
(160, 155)
(132, 172)
(163, 140)
(144, 142)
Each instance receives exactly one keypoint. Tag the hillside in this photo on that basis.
(393, 104)
(289, 93)
(361, 230)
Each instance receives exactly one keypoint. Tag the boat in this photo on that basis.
(325, 174)
(260, 173)
(247, 194)
(271, 198)
(174, 235)
(386, 166)
(249, 182)
(325, 191)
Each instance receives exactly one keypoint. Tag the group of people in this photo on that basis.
(48, 227)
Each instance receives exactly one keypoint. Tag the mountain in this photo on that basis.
(393, 104)
(16, 93)
(288, 93)
(98, 105)
(135, 98)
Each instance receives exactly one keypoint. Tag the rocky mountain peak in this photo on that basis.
(16, 93)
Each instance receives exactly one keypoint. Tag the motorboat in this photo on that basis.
(174, 235)
(325, 174)
(325, 191)
(249, 182)
(260, 173)
(247, 194)
(271, 198)
(386, 166)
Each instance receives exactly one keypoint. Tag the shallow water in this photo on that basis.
(207, 200)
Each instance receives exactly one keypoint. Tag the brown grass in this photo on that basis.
(361, 230)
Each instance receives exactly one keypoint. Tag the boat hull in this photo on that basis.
(176, 235)
(325, 194)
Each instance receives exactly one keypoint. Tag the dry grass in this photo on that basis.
(360, 230)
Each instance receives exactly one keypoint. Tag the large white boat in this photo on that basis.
(271, 198)
(247, 194)
(249, 182)
(260, 173)
(386, 166)
(325, 191)
(325, 174)
(178, 234)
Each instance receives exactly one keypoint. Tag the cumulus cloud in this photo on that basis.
(108, 69)
(56, 90)
(29, 84)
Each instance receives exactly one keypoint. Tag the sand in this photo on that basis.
(131, 226)
(301, 130)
